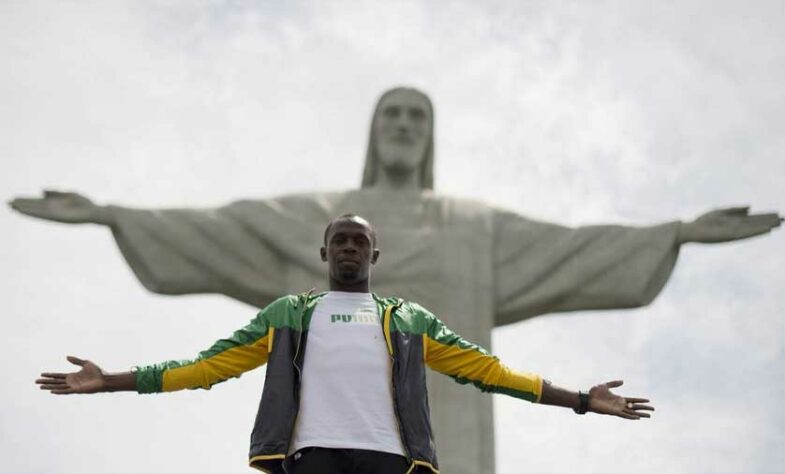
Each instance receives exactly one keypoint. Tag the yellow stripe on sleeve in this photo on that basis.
(472, 365)
(227, 364)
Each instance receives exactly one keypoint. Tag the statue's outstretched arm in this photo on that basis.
(543, 268)
(178, 251)
(546, 268)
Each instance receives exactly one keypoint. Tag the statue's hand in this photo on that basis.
(724, 225)
(71, 208)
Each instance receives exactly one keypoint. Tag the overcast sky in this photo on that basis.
(570, 112)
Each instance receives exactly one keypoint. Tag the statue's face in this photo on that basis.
(402, 129)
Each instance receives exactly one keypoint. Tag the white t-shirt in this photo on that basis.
(346, 392)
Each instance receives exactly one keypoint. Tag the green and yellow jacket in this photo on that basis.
(278, 337)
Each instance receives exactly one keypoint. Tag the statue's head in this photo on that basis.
(401, 138)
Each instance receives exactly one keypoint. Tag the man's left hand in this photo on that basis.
(605, 402)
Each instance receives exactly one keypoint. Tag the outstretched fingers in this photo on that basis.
(54, 375)
(738, 211)
(637, 407)
(48, 380)
(754, 230)
(637, 414)
(636, 400)
(749, 225)
(628, 414)
(56, 386)
(52, 384)
(764, 221)
(28, 204)
(55, 382)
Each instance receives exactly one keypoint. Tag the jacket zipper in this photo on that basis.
(297, 367)
(300, 336)
(386, 322)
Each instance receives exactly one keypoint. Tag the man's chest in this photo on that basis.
(345, 338)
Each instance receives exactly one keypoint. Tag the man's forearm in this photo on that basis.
(120, 382)
(557, 396)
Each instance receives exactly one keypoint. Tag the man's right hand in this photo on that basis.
(90, 379)
(71, 208)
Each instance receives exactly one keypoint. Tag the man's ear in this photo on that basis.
(375, 256)
(323, 253)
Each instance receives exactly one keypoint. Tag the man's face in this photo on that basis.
(349, 251)
(402, 129)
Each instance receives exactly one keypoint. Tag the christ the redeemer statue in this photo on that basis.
(476, 266)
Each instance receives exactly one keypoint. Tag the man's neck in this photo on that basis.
(359, 287)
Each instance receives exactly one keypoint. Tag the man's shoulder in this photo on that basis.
(415, 308)
(409, 316)
(285, 310)
(399, 303)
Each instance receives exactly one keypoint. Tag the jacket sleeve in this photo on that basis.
(450, 354)
(245, 350)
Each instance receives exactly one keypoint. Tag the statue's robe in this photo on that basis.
(474, 266)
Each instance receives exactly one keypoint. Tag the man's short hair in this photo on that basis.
(354, 218)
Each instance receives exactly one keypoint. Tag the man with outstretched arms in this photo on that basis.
(345, 390)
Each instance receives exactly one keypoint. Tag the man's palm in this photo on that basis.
(88, 380)
(603, 401)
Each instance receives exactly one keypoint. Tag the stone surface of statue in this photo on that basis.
(473, 265)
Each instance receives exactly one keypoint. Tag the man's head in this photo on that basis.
(401, 140)
(349, 250)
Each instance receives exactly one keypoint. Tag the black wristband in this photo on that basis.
(583, 405)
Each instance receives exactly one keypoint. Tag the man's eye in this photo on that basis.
(360, 241)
